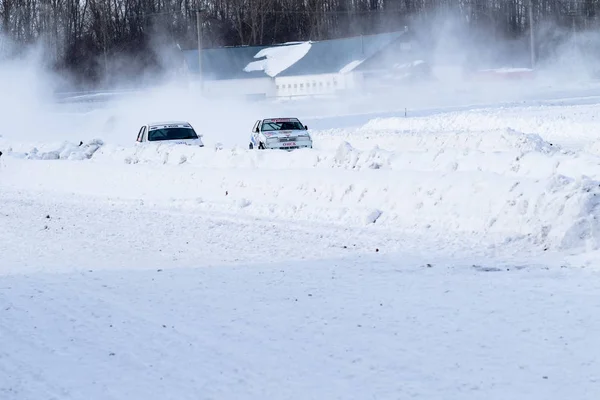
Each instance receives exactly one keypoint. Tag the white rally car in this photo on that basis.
(178, 132)
(280, 133)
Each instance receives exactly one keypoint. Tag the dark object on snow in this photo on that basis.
(0, 154)
(81, 143)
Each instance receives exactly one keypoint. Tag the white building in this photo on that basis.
(290, 69)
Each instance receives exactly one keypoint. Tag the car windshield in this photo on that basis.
(281, 125)
(171, 134)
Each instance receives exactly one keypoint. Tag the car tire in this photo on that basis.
(251, 146)
(261, 146)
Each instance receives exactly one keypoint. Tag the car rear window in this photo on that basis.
(171, 134)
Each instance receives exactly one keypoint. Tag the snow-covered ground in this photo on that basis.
(446, 254)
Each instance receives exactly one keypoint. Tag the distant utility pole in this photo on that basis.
(199, 28)
(104, 49)
(531, 37)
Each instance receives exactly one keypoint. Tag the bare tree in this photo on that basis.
(84, 35)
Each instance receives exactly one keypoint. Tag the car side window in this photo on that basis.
(140, 134)
(144, 132)
(255, 128)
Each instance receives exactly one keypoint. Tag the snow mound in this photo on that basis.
(278, 59)
(66, 151)
(443, 157)
(373, 216)
(593, 148)
(576, 206)
(538, 198)
(557, 124)
(508, 153)
(347, 156)
(488, 140)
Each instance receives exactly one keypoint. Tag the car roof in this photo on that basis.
(169, 123)
(281, 118)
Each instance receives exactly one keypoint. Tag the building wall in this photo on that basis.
(309, 85)
(287, 86)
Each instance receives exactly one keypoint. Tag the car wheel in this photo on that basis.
(261, 146)
(250, 146)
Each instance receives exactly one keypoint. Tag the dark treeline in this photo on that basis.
(81, 35)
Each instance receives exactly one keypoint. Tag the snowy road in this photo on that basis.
(155, 304)
(334, 329)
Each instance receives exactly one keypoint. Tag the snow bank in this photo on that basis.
(570, 126)
(493, 140)
(66, 151)
(279, 58)
(556, 212)
(499, 183)
(491, 193)
(405, 151)
(528, 192)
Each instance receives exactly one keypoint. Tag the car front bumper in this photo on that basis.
(291, 145)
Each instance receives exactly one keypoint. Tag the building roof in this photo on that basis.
(289, 59)
(397, 52)
(331, 56)
(224, 62)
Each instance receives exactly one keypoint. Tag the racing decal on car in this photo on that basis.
(153, 128)
(276, 120)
